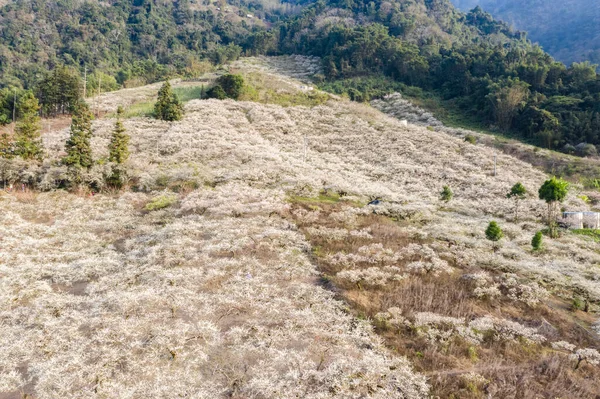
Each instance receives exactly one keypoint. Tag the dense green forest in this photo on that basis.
(567, 29)
(482, 67)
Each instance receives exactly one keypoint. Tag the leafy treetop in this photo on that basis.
(554, 190)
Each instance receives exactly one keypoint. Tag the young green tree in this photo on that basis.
(119, 141)
(494, 233)
(517, 192)
(78, 147)
(553, 191)
(118, 151)
(537, 241)
(168, 107)
(28, 142)
(446, 194)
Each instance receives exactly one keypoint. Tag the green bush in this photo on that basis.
(160, 202)
(216, 92)
(168, 107)
(469, 138)
(494, 232)
(537, 240)
(446, 194)
(232, 85)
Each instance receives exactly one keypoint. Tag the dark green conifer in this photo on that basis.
(119, 141)
(28, 142)
(168, 107)
(494, 232)
(536, 241)
(78, 147)
(118, 152)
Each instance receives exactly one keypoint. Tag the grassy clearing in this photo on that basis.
(138, 110)
(448, 112)
(146, 108)
(186, 94)
(323, 198)
(594, 234)
(259, 88)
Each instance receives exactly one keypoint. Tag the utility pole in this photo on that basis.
(99, 91)
(15, 110)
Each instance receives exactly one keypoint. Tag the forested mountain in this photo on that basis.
(479, 66)
(128, 39)
(566, 29)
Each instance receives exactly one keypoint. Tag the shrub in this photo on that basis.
(168, 107)
(216, 92)
(469, 138)
(586, 150)
(494, 232)
(577, 303)
(446, 194)
(537, 240)
(160, 202)
(232, 85)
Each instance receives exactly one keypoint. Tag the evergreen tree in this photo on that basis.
(28, 143)
(494, 233)
(6, 146)
(446, 194)
(78, 147)
(118, 151)
(59, 91)
(119, 142)
(536, 241)
(517, 192)
(168, 107)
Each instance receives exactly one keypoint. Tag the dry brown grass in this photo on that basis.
(511, 369)
(26, 196)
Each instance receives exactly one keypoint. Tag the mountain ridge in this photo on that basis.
(567, 30)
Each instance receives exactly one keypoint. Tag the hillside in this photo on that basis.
(565, 29)
(486, 74)
(245, 262)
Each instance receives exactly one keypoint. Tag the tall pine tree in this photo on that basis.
(28, 142)
(118, 152)
(119, 141)
(168, 107)
(78, 147)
